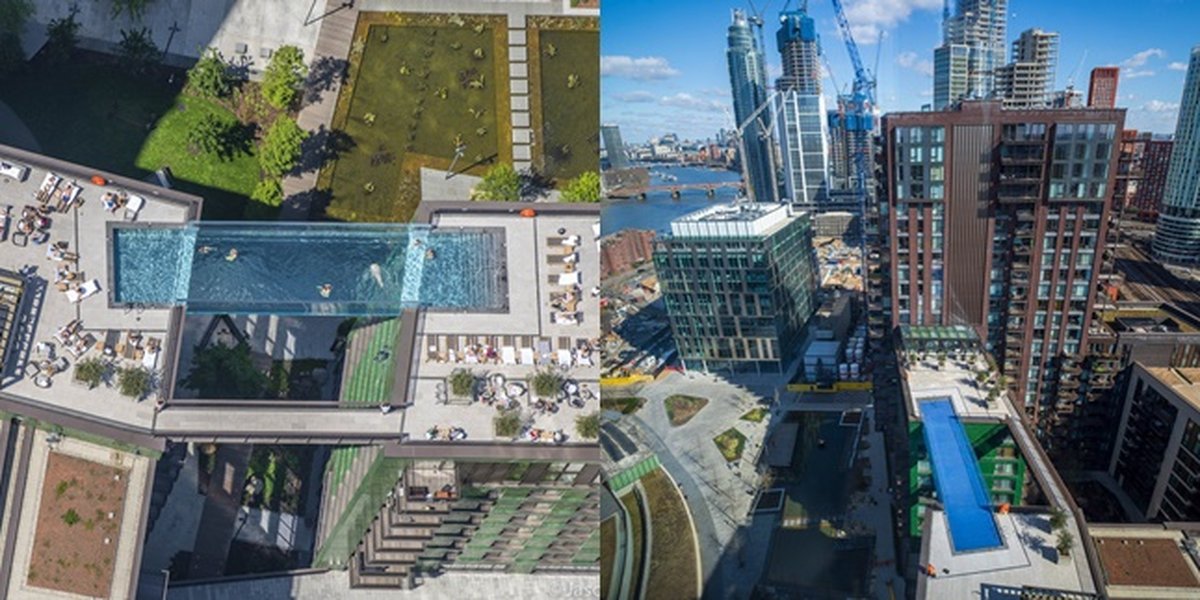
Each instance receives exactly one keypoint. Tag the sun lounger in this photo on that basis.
(527, 356)
(86, 290)
(564, 359)
(508, 355)
(133, 207)
(570, 278)
(571, 241)
(150, 359)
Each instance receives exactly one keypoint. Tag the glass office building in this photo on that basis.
(738, 281)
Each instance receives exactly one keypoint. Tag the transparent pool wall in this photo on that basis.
(280, 268)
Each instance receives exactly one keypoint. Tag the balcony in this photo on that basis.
(1024, 216)
(1022, 154)
(1022, 249)
(1014, 194)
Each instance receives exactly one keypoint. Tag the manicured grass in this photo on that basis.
(98, 115)
(167, 146)
(731, 442)
(755, 415)
(570, 116)
(681, 408)
(631, 502)
(406, 60)
(673, 546)
(371, 380)
(626, 406)
(608, 553)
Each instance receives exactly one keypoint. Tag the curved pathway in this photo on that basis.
(710, 548)
(13, 131)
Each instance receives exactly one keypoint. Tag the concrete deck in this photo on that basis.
(955, 380)
(45, 309)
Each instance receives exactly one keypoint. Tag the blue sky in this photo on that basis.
(664, 66)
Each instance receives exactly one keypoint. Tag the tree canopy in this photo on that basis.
(220, 371)
(209, 77)
(500, 183)
(283, 77)
(268, 191)
(280, 148)
(585, 188)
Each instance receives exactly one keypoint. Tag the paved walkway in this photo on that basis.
(458, 585)
(327, 66)
(518, 83)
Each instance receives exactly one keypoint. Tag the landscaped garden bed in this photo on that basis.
(755, 415)
(731, 443)
(275, 478)
(626, 406)
(630, 501)
(420, 86)
(78, 524)
(673, 546)
(564, 71)
(681, 408)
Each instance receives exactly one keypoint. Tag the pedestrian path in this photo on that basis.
(518, 78)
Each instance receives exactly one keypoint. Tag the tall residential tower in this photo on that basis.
(802, 126)
(1028, 81)
(1177, 238)
(972, 50)
(748, 80)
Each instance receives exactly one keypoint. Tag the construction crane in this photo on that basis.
(860, 126)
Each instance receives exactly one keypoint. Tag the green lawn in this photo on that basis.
(408, 63)
(636, 545)
(99, 115)
(570, 124)
(672, 545)
(731, 442)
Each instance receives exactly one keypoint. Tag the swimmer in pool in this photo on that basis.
(377, 273)
(232, 256)
(429, 254)
(325, 289)
(206, 249)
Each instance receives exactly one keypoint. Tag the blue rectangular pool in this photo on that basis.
(282, 268)
(959, 483)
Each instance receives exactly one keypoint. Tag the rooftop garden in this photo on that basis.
(422, 87)
(78, 524)
(564, 68)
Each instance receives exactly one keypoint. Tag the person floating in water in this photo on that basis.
(206, 249)
(377, 273)
(417, 242)
(429, 254)
(325, 289)
(232, 255)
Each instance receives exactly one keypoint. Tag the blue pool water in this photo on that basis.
(279, 268)
(959, 483)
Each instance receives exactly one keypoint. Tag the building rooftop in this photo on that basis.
(955, 380)
(735, 219)
(1147, 561)
(1183, 381)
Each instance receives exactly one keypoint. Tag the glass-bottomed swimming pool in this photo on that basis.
(304, 268)
(959, 482)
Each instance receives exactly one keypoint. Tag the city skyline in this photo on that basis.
(652, 85)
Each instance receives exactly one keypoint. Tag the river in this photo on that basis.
(659, 208)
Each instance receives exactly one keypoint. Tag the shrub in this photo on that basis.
(268, 191)
(62, 35)
(90, 371)
(209, 77)
(280, 148)
(546, 383)
(501, 183)
(209, 135)
(585, 188)
(588, 426)
(462, 382)
(133, 381)
(283, 77)
(1066, 542)
(1058, 518)
(71, 517)
(508, 423)
(137, 49)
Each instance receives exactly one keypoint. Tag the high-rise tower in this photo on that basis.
(1028, 81)
(748, 81)
(1102, 87)
(1177, 238)
(972, 50)
(800, 110)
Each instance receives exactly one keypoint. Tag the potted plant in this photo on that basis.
(90, 372)
(1066, 541)
(588, 426)
(133, 381)
(546, 383)
(508, 423)
(462, 383)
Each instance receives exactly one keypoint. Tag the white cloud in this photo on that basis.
(1140, 58)
(1159, 106)
(868, 18)
(641, 68)
(687, 101)
(910, 60)
(1177, 66)
(635, 96)
(1135, 73)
